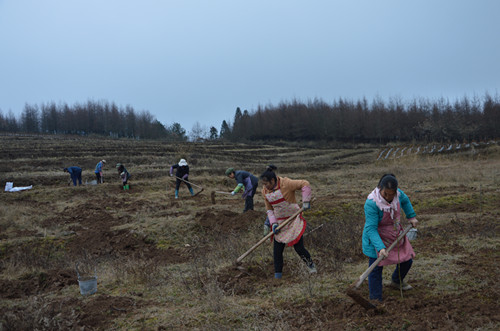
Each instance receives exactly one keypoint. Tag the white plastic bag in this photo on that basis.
(8, 186)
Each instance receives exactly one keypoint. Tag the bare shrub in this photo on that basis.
(38, 314)
(337, 242)
(46, 253)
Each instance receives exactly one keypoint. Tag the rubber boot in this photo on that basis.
(191, 190)
(124, 187)
(127, 187)
(176, 194)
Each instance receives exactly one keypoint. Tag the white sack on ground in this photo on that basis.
(9, 187)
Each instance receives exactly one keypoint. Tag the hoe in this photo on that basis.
(212, 195)
(351, 291)
(283, 224)
(198, 186)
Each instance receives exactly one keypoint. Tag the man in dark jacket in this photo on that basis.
(245, 181)
(182, 172)
(75, 173)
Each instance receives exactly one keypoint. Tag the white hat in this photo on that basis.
(182, 163)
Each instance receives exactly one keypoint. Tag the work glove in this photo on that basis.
(306, 205)
(267, 229)
(275, 228)
(171, 175)
(233, 193)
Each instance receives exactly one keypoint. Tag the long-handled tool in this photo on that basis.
(351, 291)
(191, 184)
(212, 195)
(283, 224)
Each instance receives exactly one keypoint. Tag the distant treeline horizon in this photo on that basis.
(92, 117)
(344, 121)
(420, 120)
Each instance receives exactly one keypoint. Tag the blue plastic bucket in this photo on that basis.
(88, 286)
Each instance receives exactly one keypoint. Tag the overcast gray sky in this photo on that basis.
(186, 61)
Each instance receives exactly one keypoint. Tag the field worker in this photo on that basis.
(98, 171)
(124, 175)
(75, 173)
(247, 182)
(382, 227)
(279, 195)
(267, 224)
(181, 172)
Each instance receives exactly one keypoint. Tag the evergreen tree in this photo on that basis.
(225, 131)
(213, 133)
(178, 132)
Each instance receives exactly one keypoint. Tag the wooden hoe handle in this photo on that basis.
(188, 182)
(365, 274)
(284, 223)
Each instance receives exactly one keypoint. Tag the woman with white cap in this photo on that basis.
(182, 174)
(98, 171)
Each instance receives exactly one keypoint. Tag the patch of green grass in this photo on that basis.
(447, 202)
(348, 208)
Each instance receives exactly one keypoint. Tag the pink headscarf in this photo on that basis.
(382, 204)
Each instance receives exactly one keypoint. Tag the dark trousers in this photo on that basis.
(299, 248)
(98, 176)
(76, 176)
(249, 200)
(375, 277)
(178, 184)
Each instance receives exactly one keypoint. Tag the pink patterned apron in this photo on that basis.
(389, 229)
(291, 233)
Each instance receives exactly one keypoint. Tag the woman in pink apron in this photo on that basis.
(382, 227)
(279, 195)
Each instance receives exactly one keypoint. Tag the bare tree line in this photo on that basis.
(100, 118)
(342, 121)
(379, 122)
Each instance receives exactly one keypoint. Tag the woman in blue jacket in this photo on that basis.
(382, 227)
(75, 173)
(98, 171)
(247, 182)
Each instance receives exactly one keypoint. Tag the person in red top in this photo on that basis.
(279, 195)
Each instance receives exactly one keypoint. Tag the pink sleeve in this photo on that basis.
(306, 194)
(272, 218)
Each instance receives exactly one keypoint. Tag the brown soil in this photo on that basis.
(93, 313)
(37, 283)
(422, 308)
(225, 221)
(96, 226)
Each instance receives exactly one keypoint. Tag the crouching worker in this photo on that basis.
(75, 174)
(181, 172)
(247, 182)
(279, 195)
(124, 175)
(382, 227)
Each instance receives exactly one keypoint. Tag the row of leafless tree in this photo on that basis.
(101, 118)
(380, 122)
(342, 121)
